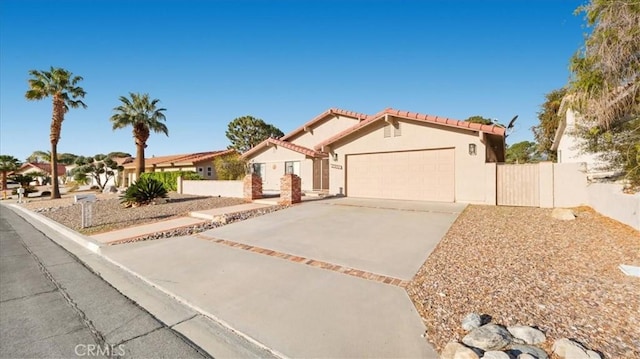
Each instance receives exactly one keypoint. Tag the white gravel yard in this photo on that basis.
(520, 266)
(109, 214)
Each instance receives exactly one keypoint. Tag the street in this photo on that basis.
(51, 305)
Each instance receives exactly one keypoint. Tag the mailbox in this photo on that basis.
(79, 198)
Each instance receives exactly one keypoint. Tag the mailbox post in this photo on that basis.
(20, 194)
(86, 203)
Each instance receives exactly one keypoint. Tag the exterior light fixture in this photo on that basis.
(472, 149)
(335, 157)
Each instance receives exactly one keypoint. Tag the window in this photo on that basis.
(292, 167)
(208, 171)
(259, 169)
(199, 169)
(396, 130)
(387, 131)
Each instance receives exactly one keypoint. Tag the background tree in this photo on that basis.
(605, 87)
(99, 168)
(7, 164)
(39, 156)
(247, 131)
(141, 113)
(61, 86)
(118, 154)
(549, 117)
(230, 167)
(479, 119)
(522, 152)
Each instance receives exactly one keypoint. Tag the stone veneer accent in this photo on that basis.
(290, 191)
(252, 187)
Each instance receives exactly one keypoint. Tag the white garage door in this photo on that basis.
(412, 175)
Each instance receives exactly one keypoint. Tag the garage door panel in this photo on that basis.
(413, 175)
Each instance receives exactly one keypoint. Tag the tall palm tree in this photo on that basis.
(141, 113)
(7, 164)
(61, 85)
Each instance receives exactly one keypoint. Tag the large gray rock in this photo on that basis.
(455, 350)
(488, 337)
(494, 354)
(563, 214)
(528, 334)
(519, 349)
(565, 348)
(110, 189)
(471, 321)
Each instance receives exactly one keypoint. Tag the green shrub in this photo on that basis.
(230, 167)
(72, 186)
(143, 191)
(170, 179)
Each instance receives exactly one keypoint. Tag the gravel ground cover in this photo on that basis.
(520, 266)
(109, 214)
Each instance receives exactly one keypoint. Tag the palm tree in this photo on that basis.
(141, 113)
(7, 164)
(61, 85)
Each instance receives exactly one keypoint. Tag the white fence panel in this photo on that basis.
(518, 185)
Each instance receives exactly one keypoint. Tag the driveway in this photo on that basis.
(390, 238)
(261, 278)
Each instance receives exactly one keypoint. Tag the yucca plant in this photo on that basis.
(142, 192)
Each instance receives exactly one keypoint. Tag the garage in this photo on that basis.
(425, 175)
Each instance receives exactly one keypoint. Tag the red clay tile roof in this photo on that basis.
(43, 166)
(288, 145)
(320, 117)
(492, 129)
(187, 159)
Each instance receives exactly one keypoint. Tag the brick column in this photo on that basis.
(290, 192)
(252, 187)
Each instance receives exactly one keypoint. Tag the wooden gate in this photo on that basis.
(518, 185)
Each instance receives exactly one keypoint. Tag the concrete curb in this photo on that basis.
(95, 247)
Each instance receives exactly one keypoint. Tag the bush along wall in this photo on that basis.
(170, 179)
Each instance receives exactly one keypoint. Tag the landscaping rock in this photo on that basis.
(488, 337)
(455, 350)
(566, 348)
(494, 354)
(110, 189)
(525, 356)
(471, 321)
(563, 214)
(527, 334)
(518, 349)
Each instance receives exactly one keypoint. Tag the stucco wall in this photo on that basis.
(470, 171)
(609, 200)
(569, 184)
(322, 131)
(275, 157)
(213, 188)
(568, 148)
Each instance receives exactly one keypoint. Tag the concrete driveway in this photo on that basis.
(262, 277)
(390, 238)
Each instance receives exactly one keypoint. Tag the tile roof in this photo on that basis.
(188, 159)
(42, 166)
(320, 117)
(492, 129)
(288, 145)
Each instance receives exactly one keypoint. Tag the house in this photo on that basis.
(201, 163)
(567, 144)
(33, 168)
(392, 155)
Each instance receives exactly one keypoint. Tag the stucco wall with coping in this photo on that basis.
(569, 184)
(323, 130)
(470, 171)
(213, 188)
(274, 158)
(609, 200)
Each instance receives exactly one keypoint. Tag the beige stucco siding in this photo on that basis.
(323, 130)
(469, 170)
(274, 159)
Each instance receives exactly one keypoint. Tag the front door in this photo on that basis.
(325, 174)
(317, 174)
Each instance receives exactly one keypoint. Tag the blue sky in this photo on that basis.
(283, 61)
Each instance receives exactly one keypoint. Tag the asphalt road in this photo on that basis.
(52, 306)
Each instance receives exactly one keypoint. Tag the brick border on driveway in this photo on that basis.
(310, 262)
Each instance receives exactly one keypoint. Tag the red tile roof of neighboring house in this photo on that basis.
(288, 145)
(320, 117)
(187, 159)
(42, 166)
(492, 129)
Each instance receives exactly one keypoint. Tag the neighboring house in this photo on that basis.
(393, 155)
(201, 163)
(567, 144)
(30, 168)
